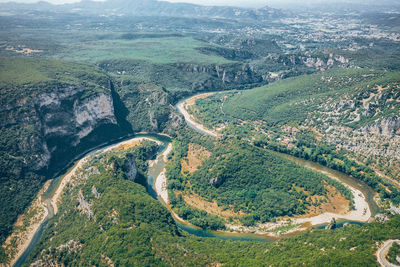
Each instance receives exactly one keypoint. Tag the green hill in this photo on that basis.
(259, 183)
(293, 100)
(128, 227)
(345, 119)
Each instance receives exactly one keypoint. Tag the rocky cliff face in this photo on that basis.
(149, 108)
(65, 114)
(372, 111)
(222, 76)
(188, 78)
(61, 117)
(387, 127)
(130, 169)
(50, 112)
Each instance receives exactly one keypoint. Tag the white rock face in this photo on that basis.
(66, 113)
(89, 113)
(94, 108)
(66, 116)
(388, 127)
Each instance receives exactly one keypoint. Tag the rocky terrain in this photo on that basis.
(64, 119)
(367, 124)
(45, 124)
(50, 116)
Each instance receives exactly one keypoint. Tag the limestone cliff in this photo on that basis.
(387, 126)
(217, 77)
(63, 114)
(50, 112)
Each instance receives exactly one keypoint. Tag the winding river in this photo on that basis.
(363, 195)
(157, 166)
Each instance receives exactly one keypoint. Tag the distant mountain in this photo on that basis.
(151, 8)
(360, 6)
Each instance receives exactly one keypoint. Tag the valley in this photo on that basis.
(84, 177)
(149, 133)
(361, 209)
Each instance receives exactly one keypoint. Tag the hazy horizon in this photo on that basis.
(239, 3)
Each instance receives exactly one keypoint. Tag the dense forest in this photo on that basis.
(284, 117)
(128, 227)
(320, 85)
(239, 176)
(394, 253)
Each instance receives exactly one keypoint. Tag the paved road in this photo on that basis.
(383, 251)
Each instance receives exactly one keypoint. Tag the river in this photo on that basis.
(158, 166)
(49, 199)
(365, 206)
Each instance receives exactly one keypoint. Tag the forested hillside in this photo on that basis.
(257, 185)
(50, 112)
(128, 227)
(342, 119)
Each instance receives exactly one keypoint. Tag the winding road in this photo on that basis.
(383, 251)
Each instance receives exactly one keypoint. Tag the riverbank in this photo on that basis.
(284, 227)
(160, 183)
(182, 108)
(49, 205)
(161, 187)
(19, 240)
(289, 225)
(360, 213)
(67, 177)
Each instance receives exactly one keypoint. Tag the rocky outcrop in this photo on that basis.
(130, 169)
(65, 113)
(84, 206)
(388, 127)
(222, 76)
(95, 192)
(217, 181)
(319, 62)
(46, 121)
(48, 257)
(57, 121)
(67, 116)
(331, 225)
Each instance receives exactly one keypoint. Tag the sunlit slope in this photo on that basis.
(165, 50)
(129, 228)
(295, 99)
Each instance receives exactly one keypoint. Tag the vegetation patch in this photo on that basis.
(334, 202)
(131, 228)
(200, 203)
(257, 184)
(154, 50)
(196, 154)
(319, 117)
(393, 255)
(102, 188)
